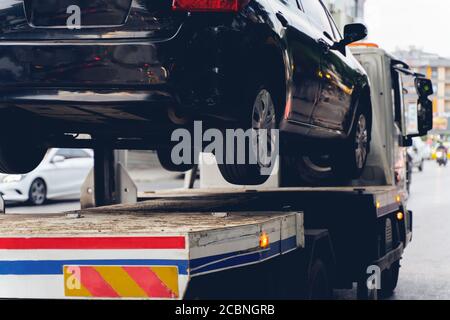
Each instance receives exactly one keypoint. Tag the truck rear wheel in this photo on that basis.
(318, 282)
(364, 293)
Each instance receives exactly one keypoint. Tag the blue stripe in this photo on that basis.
(238, 258)
(55, 267)
(288, 244)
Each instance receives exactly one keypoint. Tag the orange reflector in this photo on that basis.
(398, 198)
(364, 44)
(400, 216)
(378, 205)
(264, 241)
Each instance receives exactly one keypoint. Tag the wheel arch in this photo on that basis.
(362, 98)
(270, 60)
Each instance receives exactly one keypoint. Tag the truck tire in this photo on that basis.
(263, 115)
(389, 280)
(350, 158)
(20, 155)
(318, 282)
(364, 293)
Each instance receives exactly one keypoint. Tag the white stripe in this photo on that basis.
(14, 255)
(48, 287)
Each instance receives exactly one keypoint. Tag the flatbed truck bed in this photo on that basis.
(244, 244)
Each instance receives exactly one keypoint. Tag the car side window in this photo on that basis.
(397, 97)
(317, 14)
(72, 153)
(337, 33)
(290, 3)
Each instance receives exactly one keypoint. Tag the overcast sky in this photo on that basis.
(402, 23)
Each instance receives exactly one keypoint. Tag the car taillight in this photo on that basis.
(208, 5)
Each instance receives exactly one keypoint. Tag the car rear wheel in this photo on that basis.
(351, 158)
(260, 153)
(20, 155)
(168, 163)
(38, 192)
(308, 170)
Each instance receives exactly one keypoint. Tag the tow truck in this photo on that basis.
(225, 242)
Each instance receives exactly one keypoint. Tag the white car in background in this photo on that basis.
(59, 176)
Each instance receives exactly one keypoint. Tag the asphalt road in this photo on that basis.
(425, 272)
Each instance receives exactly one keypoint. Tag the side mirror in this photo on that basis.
(58, 159)
(424, 88)
(354, 32)
(425, 116)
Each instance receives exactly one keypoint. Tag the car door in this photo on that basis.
(338, 70)
(305, 57)
(69, 172)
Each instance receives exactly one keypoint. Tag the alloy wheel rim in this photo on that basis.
(38, 192)
(361, 141)
(264, 118)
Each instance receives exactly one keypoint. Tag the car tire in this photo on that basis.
(263, 115)
(350, 159)
(20, 156)
(309, 171)
(37, 195)
(165, 159)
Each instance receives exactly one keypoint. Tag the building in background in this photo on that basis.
(346, 11)
(437, 69)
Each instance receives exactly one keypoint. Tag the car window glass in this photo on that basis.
(72, 153)
(290, 3)
(337, 33)
(77, 153)
(317, 15)
(397, 97)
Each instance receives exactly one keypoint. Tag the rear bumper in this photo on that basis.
(86, 111)
(83, 63)
(13, 192)
(106, 80)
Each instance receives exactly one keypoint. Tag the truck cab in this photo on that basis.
(395, 122)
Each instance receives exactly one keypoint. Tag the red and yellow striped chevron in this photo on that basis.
(121, 281)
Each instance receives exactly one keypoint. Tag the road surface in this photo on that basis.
(425, 272)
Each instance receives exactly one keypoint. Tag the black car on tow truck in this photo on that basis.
(134, 70)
